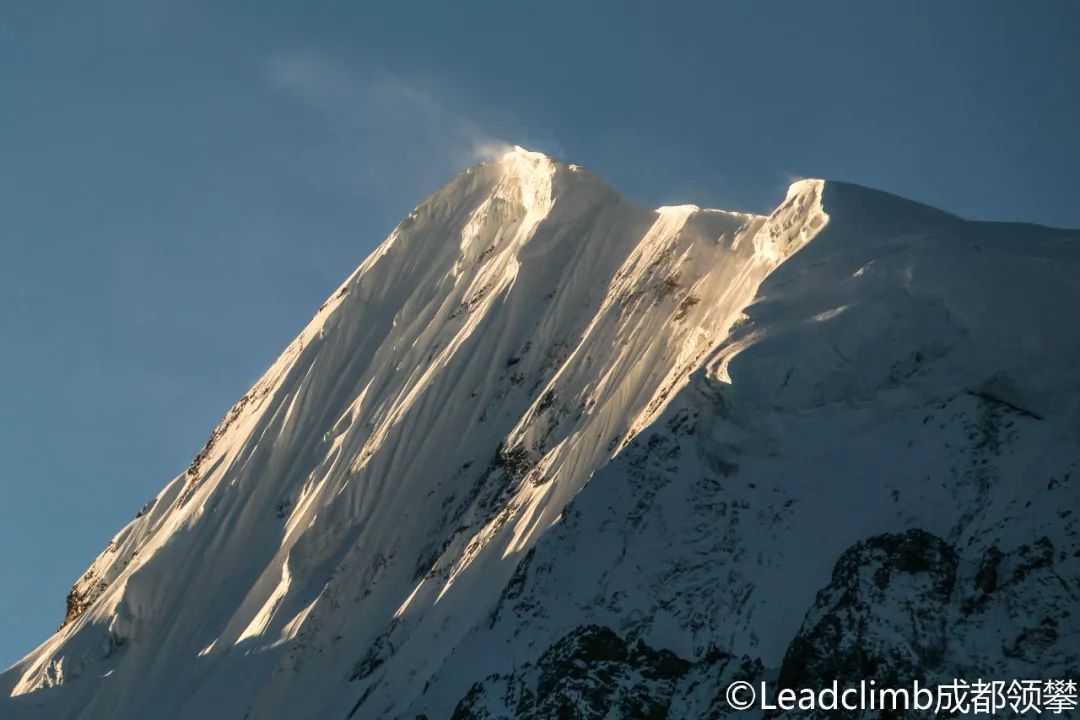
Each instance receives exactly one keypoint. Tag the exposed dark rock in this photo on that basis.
(883, 616)
(82, 596)
(590, 674)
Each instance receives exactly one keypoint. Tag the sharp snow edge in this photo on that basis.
(540, 417)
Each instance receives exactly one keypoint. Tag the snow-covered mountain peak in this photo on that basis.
(540, 415)
(802, 186)
(521, 155)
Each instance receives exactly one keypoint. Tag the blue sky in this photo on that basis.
(183, 183)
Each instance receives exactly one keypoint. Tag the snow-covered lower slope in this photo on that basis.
(543, 429)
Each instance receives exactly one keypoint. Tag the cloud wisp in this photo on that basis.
(389, 133)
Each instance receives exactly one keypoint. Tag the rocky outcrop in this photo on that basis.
(592, 673)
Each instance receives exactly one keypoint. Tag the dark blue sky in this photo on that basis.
(183, 184)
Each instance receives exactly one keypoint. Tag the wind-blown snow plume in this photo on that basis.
(375, 119)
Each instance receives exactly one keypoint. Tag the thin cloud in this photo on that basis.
(388, 132)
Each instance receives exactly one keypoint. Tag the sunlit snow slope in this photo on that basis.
(540, 414)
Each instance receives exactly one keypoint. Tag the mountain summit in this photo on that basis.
(549, 453)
